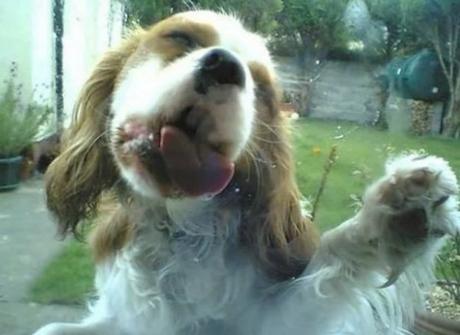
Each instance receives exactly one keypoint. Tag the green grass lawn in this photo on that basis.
(362, 152)
(68, 279)
(361, 155)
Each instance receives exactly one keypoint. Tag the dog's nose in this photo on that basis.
(219, 67)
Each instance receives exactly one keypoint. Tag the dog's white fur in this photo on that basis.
(200, 281)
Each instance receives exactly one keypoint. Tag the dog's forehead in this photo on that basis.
(230, 34)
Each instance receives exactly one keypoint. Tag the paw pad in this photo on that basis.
(414, 200)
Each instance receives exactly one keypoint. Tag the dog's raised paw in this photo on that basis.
(409, 208)
(415, 200)
(417, 181)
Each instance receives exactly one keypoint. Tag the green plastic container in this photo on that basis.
(419, 77)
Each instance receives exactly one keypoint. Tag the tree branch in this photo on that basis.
(436, 41)
(450, 47)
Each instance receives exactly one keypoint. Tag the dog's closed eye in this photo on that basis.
(183, 39)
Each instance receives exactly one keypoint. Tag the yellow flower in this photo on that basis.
(316, 151)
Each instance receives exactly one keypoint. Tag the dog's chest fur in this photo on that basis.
(184, 268)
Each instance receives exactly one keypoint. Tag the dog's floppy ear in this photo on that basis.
(284, 238)
(84, 168)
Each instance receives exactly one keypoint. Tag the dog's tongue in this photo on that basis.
(205, 173)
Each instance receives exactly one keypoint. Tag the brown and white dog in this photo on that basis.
(180, 124)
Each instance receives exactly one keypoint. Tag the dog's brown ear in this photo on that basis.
(84, 168)
(284, 238)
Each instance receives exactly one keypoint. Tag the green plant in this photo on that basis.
(399, 17)
(258, 15)
(19, 123)
(448, 268)
(315, 26)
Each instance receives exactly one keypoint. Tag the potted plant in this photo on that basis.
(19, 124)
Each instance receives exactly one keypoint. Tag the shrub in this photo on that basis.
(448, 268)
(19, 123)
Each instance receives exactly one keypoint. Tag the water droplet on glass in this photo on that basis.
(237, 190)
(435, 90)
(207, 197)
(294, 116)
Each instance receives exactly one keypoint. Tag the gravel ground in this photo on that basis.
(440, 301)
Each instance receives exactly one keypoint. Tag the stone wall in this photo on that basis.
(336, 90)
(350, 91)
(345, 91)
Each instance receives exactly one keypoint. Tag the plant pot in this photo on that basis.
(10, 172)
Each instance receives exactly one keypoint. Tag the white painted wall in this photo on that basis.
(26, 37)
(42, 59)
(90, 28)
(15, 42)
(41, 53)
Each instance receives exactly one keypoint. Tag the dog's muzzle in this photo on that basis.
(218, 67)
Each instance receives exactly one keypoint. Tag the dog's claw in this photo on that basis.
(392, 278)
(414, 206)
(419, 158)
(440, 201)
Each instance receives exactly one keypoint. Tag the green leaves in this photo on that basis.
(146, 12)
(412, 24)
(19, 124)
(258, 15)
(317, 24)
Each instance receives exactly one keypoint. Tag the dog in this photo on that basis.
(179, 128)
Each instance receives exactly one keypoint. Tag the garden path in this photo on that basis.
(27, 243)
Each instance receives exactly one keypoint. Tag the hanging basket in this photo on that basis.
(10, 172)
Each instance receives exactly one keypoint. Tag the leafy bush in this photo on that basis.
(19, 123)
(258, 15)
(314, 25)
(448, 268)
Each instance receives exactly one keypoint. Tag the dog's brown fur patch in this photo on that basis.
(158, 41)
(111, 233)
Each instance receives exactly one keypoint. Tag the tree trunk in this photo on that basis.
(452, 120)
